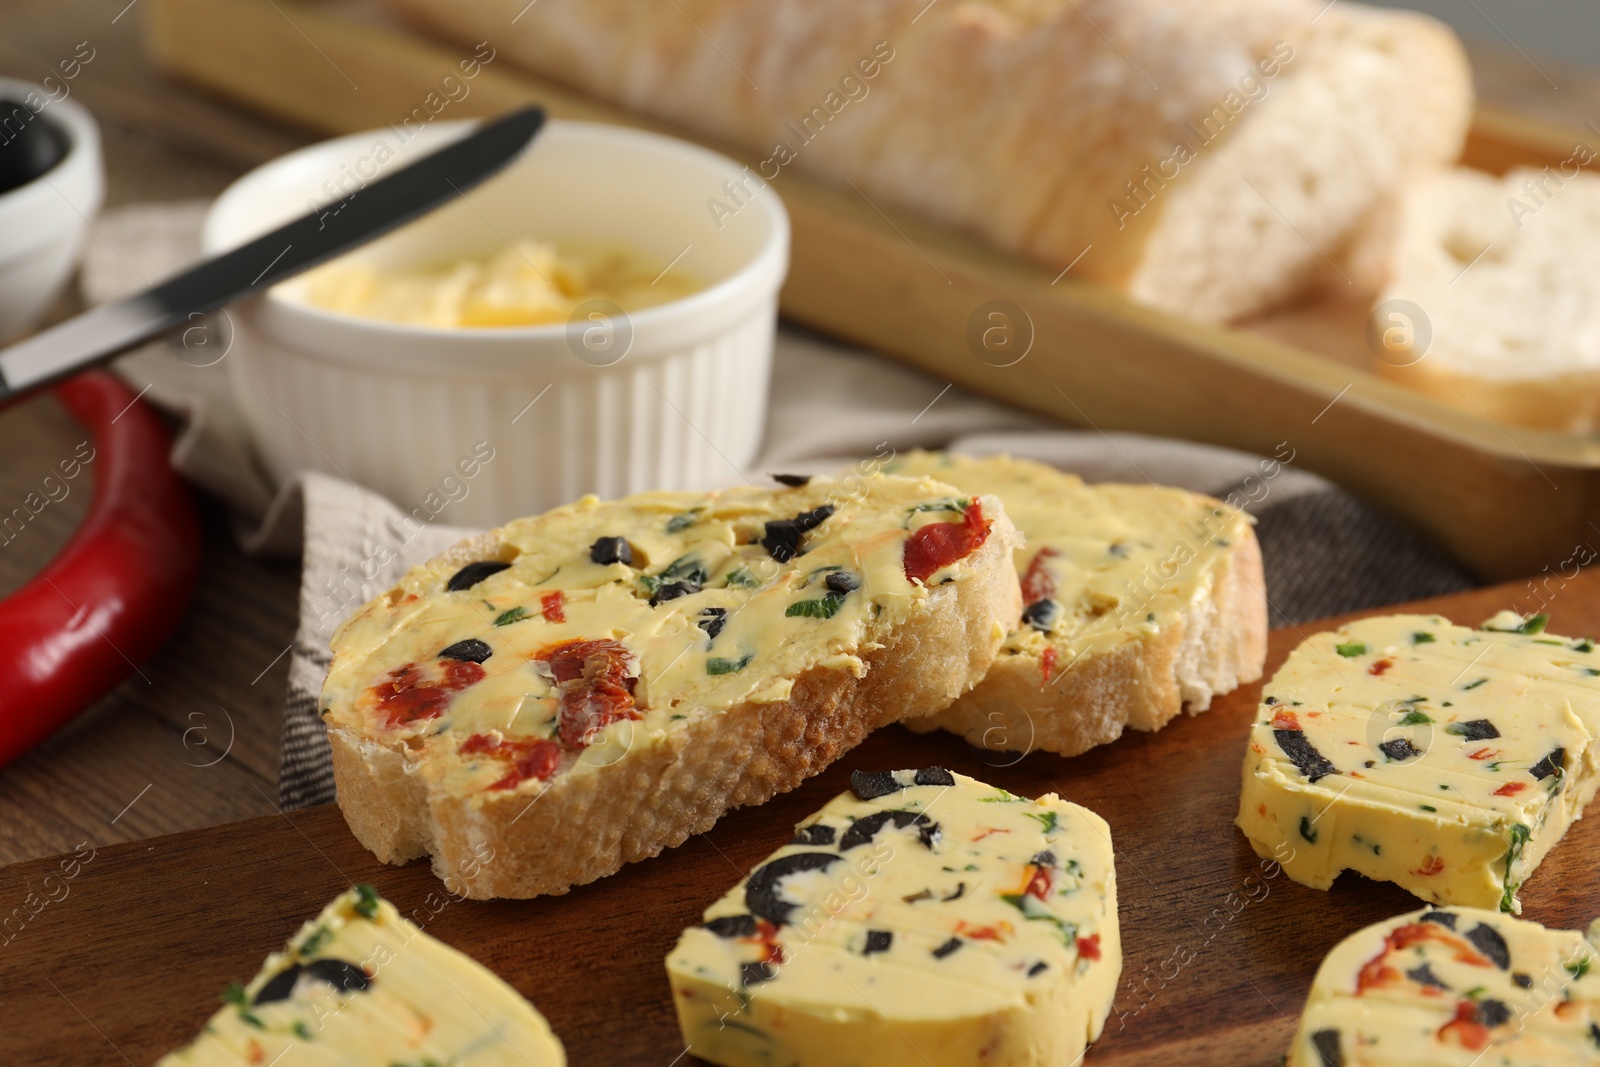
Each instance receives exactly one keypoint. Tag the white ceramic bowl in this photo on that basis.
(672, 396)
(43, 223)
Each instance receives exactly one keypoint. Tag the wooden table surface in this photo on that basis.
(145, 761)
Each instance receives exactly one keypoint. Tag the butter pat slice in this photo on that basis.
(1451, 989)
(360, 985)
(924, 918)
(1414, 751)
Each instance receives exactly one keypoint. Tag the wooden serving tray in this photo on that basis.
(128, 959)
(1504, 500)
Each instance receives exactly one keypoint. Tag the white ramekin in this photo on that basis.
(43, 223)
(672, 396)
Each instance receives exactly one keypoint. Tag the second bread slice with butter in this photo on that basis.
(584, 688)
(1140, 601)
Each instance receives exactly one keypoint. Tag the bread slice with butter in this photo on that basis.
(360, 985)
(1502, 275)
(1411, 750)
(1454, 987)
(584, 688)
(922, 919)
(1139, 601)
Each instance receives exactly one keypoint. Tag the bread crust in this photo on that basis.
(1216, 645)
(586, 825)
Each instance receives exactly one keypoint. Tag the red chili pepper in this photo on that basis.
(119, 588)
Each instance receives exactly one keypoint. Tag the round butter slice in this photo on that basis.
(1454, 988)
(924, 918)
(361, 985)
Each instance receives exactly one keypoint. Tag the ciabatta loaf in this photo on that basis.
(1504, 273)
(582, 689)
(1210, 158)
(1140, 601)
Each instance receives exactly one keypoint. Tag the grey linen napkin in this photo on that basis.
(1325, 551)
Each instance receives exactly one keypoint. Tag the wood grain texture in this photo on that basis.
(1220, 950)
(913, 290)
(217, 678)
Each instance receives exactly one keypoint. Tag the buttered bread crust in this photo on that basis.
(1454, 988)
(1139, 601)
(584, 688)
(923, 919)
(1444, 759)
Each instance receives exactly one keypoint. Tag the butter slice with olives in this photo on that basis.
(924, 918)
(1411, 750)
(361, 985)
(1457, 986)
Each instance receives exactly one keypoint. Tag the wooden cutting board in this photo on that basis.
(128, 958)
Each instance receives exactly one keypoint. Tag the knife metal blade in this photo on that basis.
(370, 212)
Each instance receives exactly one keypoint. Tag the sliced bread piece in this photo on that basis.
(1446, 760)
(359, 985)
(923, 919)
(1209, 158)
(582, 689)
(1506, 275)
(1463, 986)
(1139, 601)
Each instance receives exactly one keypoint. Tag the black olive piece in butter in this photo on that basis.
(1329, 1049)
(1487, 940)
(1474, 730)
(1492, 1013)
(866, 828)
(755, 973)
(473, 573)
(1041, 614)
(782, 540)
(870, 785)
(1304, 755)
(471, 650)
(672, 591)
(1555, 763)
(733, 926)
(842, 582)
(878, 941)
(945, 949)
(1400, 749)
(793, 481)
(1423, 975)
(816, 834)
(606, 550)
(1447, 919)
(711, 620)
(340, 974)
(763, 890)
